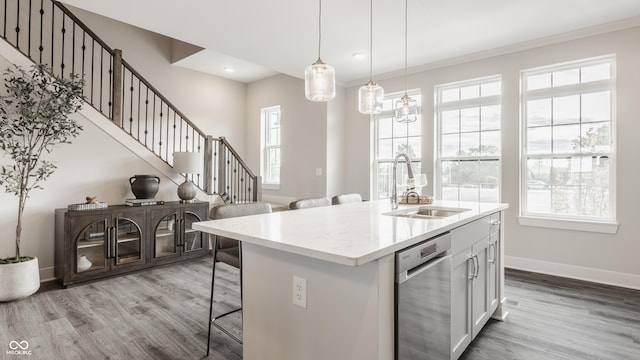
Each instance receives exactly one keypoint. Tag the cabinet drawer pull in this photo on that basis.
(495, 222)
(477, 266)
(107, 243)
(470, 275)
(492, 245)
(182, 234)
(114, 242)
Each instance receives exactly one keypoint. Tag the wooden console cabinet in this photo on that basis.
(95, 244)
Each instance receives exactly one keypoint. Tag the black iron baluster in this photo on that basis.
(153, 123)
(101, 76)
(146, 117)
(214, 165)
(17, 29)
(139, 103)
(174, 131)
(93, 65)
(4, 30)
(63, 30)
(166, 156)
(53, 17)
(29, 30)
(130, 105)
(235, 174)
(110, 81)
(84, 50)
(40, 48)
(73, 48)
(160, 132)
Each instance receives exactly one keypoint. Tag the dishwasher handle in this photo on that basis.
(406, 275)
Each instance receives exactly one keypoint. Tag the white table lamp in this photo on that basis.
(187, 163)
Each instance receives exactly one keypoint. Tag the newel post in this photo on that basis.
(208, 165)
(222, 166)
(116, 101)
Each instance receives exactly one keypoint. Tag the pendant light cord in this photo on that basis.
(319, 26)
(405, 45)
(371, 41)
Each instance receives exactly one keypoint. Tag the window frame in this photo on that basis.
(265, 113)
(390, 113)
(440, 106)
(568, 221)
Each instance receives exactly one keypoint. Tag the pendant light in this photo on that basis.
(370, 95)
(406, 107)
(319, 78)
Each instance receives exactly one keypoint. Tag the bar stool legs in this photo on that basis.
(212, 320)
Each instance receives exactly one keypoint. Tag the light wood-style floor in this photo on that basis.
(162, 314)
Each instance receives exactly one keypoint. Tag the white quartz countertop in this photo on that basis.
(350, 234)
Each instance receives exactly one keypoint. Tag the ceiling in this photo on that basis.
(260, 38)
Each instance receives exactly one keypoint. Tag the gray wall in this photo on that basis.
(303, 137)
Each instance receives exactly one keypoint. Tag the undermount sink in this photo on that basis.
(427, 212)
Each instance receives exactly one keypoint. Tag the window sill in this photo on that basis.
(270, 186)
(588, 226)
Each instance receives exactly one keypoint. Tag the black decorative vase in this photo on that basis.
(144, 186)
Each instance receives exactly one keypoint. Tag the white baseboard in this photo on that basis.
(626, 280)
(47, 274)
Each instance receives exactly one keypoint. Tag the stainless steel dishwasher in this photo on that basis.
(423, 300)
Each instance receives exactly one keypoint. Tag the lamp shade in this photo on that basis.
(187, 162)
(406, 109)
(319, 81)
(370, 98)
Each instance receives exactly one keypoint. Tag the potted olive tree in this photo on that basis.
(35, 110)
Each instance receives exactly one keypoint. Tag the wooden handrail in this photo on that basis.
(161, 97)
(83, 26)
(235, 153)
(108, 75)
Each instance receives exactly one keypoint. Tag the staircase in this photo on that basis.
(48, 33)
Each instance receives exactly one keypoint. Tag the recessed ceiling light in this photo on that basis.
(229, 69)
(358, 55)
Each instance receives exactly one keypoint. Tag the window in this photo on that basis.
(392, 138)
(567, 143)
(469, 143)
(270, 135)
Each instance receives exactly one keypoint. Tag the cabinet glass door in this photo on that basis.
(91, 247)
(166, 236)
(128, 241)
(192, 238)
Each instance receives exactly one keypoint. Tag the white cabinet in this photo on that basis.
(475, 279)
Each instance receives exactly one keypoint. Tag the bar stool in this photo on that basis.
(229, 251)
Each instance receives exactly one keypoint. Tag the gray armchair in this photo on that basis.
(309, 203)
(346, 198)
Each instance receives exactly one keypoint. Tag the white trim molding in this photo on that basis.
(565, 224)
(631, 281)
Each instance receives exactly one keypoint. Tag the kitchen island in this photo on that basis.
(346, 255)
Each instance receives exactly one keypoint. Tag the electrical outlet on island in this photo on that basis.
(300, 292)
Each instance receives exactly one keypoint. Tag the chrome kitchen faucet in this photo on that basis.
(410, 179)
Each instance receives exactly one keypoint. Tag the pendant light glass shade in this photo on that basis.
(319, 82)
(406, 109)
(370, 98)
(370, 95)
(319, 78)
